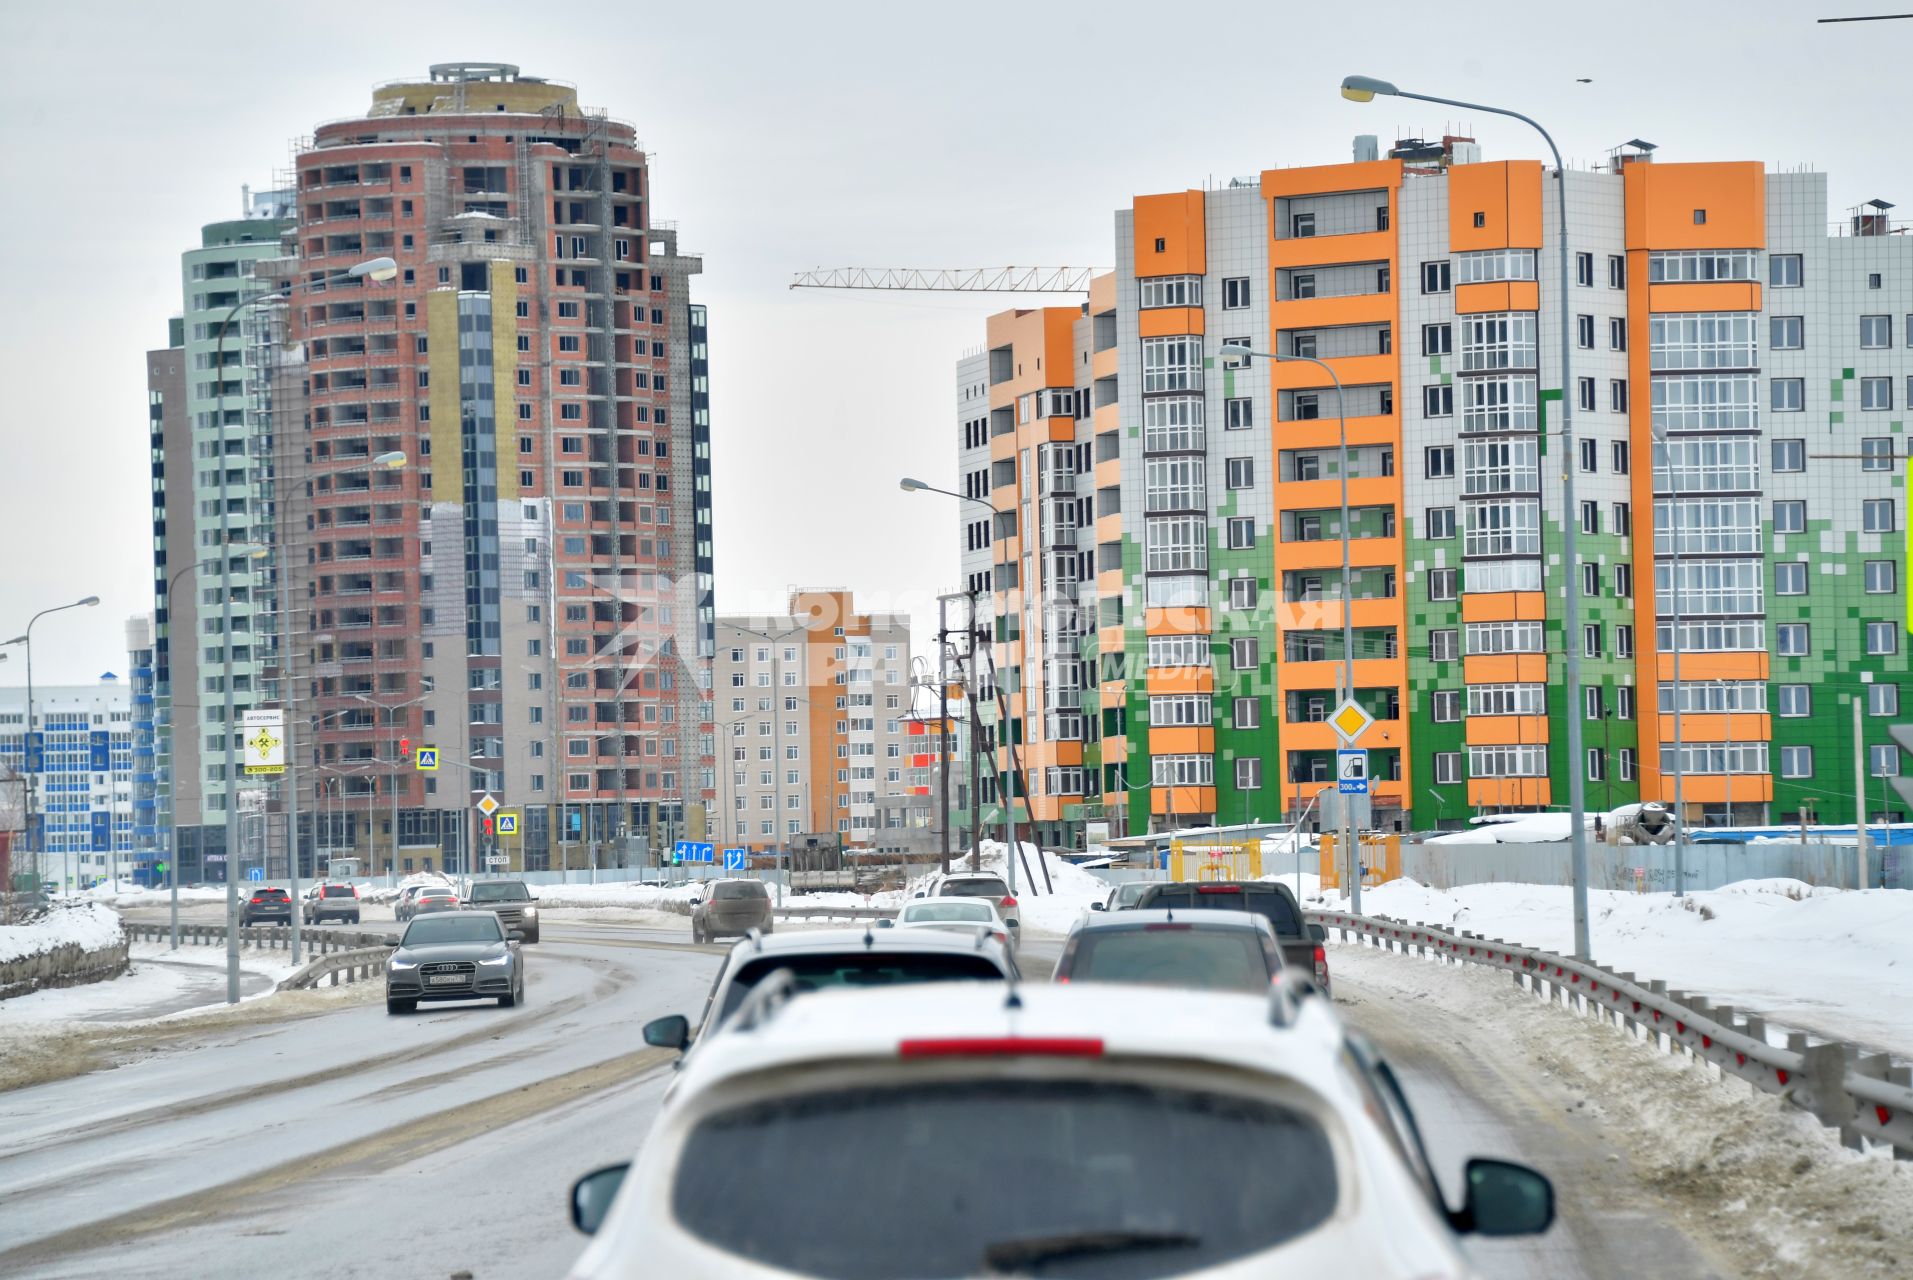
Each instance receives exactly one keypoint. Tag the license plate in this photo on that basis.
(447, 979)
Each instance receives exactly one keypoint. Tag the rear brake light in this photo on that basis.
(1219, 888)
(1164, 928)
(256, 899)
(1006, 901)
(1003, 1047)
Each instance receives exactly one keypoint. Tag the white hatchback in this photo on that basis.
(957, 915)
(992, 1129)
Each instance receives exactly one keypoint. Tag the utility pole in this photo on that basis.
(1861, 836)
(971, 697)
(943, 729)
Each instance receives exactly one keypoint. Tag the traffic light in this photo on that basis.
(405, 747)
(488, 826)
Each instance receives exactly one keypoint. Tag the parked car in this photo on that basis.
(976, 884)
(328, 901)
(1096, 1130)
(434, 898)
(1209, 950)
(510, 900)
(731, 909)
(956, 915)
(829, 959)
(454, 955)
(266, 905)
(1303, 944)
(1122, 897)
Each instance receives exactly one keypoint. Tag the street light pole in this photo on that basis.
(1674, 531)
(1364, 89)
(1348, 587)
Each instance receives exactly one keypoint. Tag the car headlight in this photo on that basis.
(395, 964)
(498, 960)
(530, 912)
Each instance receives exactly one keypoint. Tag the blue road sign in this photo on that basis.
(255, 873)
(1351, 771)
(706, 852)
(734, 859)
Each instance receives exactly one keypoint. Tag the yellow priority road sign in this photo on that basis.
(1350, 720)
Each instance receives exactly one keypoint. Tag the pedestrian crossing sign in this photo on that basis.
(426, 759)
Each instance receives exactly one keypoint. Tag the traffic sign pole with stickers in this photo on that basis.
(1350, 721)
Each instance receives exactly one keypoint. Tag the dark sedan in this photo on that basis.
(454, 955)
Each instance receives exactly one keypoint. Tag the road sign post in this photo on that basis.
(1350, 721)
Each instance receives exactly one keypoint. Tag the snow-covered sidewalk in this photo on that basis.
(159, 982)
(1835, 962)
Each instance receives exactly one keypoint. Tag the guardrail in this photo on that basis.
(834, 913)
(362, 964)
(1863, 1095)
(266, 937)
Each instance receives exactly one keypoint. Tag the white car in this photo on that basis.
(975, 884)
(958, 915)
(990, 1129)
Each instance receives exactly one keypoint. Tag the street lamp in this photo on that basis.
(26, 638)
(1365, 89)
(1235, 351)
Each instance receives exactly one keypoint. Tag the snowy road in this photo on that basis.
(354, 1144)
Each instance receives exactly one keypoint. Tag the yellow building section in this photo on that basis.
(441, 344)
(443, 97)
(504, 281)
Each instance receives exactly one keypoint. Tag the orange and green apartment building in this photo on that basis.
(1163, 565)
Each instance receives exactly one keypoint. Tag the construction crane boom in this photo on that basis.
(950, 280)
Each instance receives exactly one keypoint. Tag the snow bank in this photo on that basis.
(1832, 961)
(676, 899)
(88, 926)
(1041, 911)
(124, 893)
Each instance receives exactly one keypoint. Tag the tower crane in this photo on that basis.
(951, 279)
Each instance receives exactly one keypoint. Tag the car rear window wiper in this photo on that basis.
(1015, 1257)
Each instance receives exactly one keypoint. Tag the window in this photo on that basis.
(1439, 461)
(1170, 291)
(1883, 699)
(1442, 584)
(1585, 387)
(1688, 266)
(1244, 653)
(1617, 333)
(1445, 705)
(1234, 361)
(1623, 632)
(1438, 402)
(1787, 333)
(1876, 332)
(1795, 701)
(1247, 713)
(1243, 593)
(1623, 579)
(1788, 395)
(1790, 578)
(1492, 265)
(1506, 403)
(1175, 544)
(1883, 761)
(1447, 767)
(1584, 332)
(1444, 645)
(1507, 700)
(1584, 270)
(1508, 762)
(1876, 452)
(1590, 451)
(1597, 765)
(1876, 393)
(1591, 645)
(1434, 277)
(1791, 639)
(1302, 285)
(1783, 271)
(1590, 578)
(1238, 414)
(1796, 762)
(1510, 527)
(1502, 340)
(1235, 293)
(1616, 271)
(1617, 395)
(1440, 523)
(1241, 532)
(1790, 455)
(1241, 473)
(1437, 339)
(1790, 517)
(1618, 456)
(1876, 515)
(1179, 710)
(1590, 517)
(1882, 577)
(1624, 763)
(1624, 702)
(1882, 638)
(1504, 637)
(1301, 225)
(1172, 364)
(1248, 773)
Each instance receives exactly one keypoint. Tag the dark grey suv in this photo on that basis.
(510, 901)
(732, 909)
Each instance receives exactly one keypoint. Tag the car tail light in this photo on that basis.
(1006, 901)
(1321, 964)
(1003, 1047)
(1165, 928)
(1218, 888)
(256, 899)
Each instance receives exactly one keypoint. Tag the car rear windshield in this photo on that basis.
(976, 887)
(969, 912)
(499, 891)
(270, 893)
(483, 928)
(738, 889)
(1261, 899)
(864, 969)
(1181, 955)
(1060, 1178)
(337, 891)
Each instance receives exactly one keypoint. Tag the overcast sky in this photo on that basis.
(787, 136)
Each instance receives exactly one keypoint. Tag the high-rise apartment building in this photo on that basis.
(813, 714)
(1741, 368)
(530, 590)
(80, 777)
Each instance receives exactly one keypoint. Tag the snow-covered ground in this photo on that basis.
(158, 978)
(1835, 962)
(124, 893)
(86, 925)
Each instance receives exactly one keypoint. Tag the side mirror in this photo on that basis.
(673, 1031)
(1014, 924)
(390, 940)
(592, 1196)
(1317, 933)
(1096, 906)
(919, 895)
(697, 902)
(515, 935)
(886, 923)
(1504, 1199)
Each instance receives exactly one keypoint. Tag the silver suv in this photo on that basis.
(330, 902)
(977, 884)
